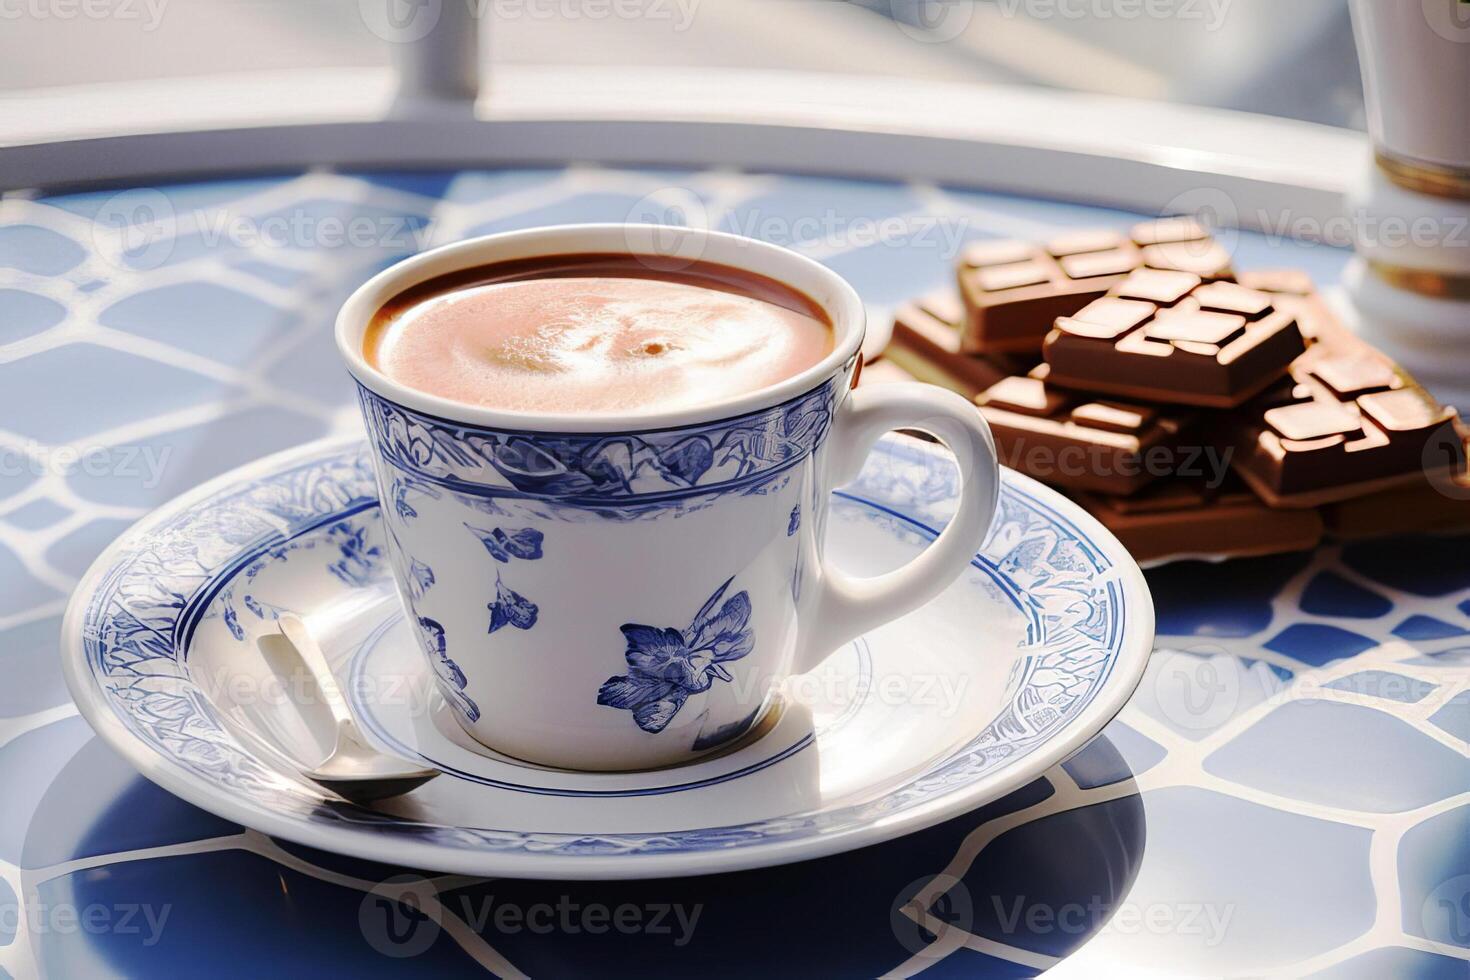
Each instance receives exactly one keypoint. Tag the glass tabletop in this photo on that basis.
(1286, 792)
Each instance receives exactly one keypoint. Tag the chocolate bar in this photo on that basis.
(1179, 518)
(1167, 337)
(1071, 440)
(1014, 290)
(1346, 422)
(1330, 434)
(926, 343)
(1309, 441)
(1181, 245)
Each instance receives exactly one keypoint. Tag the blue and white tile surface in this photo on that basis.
(1288, 793)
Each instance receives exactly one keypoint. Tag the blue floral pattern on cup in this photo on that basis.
(401, 490)
(420, 578)
(504, 545)
(452, 679)
(510, 608)
(596, 469)
(667, 665)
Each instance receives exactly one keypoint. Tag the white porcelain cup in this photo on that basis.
(613, 592)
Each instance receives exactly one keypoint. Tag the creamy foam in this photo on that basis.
(592, 343)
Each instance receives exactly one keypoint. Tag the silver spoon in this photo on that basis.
(353, 769)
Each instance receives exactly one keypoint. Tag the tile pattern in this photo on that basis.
(1287, 793)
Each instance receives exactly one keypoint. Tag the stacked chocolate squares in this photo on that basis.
(1192, 410)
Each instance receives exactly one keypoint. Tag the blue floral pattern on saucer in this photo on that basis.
(356, 563)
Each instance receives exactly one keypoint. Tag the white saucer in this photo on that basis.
(1015, 667)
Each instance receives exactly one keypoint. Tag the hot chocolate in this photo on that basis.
(595, 333)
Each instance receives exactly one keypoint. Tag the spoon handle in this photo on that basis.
(305, 645)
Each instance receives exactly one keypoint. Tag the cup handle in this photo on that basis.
(846, 606)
